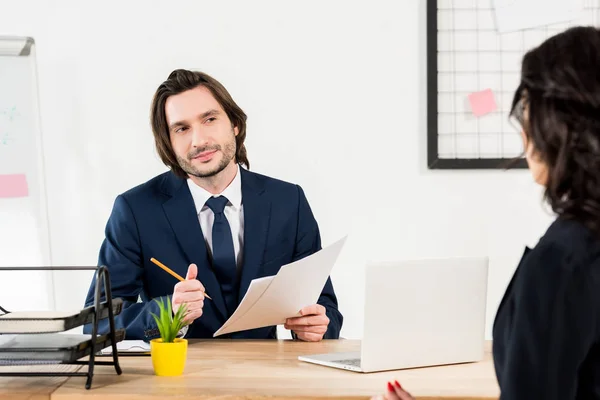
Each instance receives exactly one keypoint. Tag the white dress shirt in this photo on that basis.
(234, 212)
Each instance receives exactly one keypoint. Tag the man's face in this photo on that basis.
(202, 136)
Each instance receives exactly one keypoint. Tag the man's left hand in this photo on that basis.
(311, 325)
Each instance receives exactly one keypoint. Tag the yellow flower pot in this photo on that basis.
(168, 359)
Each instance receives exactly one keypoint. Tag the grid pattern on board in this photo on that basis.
(471, 56)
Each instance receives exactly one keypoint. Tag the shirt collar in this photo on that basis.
(233, 192)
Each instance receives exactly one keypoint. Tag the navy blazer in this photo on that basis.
(546, 337)
(159, 219)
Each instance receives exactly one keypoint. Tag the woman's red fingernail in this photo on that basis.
(398, 384)
(390, 387)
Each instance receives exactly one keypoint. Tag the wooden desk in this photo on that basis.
(32, 388)
(221, 369)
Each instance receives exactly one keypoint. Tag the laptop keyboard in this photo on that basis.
(355, 362)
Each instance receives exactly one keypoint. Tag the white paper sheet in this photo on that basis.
(128, 346)
(514, 15)
(6, 339)
(255, 290)
(270, 301)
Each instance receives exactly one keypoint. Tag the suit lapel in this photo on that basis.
(257, 212)
(181, 213)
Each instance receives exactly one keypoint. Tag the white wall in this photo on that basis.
(335, 94)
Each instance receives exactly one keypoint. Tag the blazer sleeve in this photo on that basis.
(121, 253)
(553, 327)
(308, 241)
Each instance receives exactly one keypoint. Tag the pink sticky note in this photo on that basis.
(13, 186)
(482, 102)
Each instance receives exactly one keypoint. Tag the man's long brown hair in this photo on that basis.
(179, 81)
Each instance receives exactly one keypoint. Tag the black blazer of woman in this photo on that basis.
(546, 336)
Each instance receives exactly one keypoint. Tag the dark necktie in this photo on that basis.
(223, 253)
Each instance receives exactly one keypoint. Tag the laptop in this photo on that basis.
(419, 313)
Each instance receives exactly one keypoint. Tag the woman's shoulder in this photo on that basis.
(571, 237)
(567, 246)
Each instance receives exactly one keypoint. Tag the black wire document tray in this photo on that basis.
(26, 347)
(52, 321)
(50, 348)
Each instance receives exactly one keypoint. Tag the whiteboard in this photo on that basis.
(24, 237)
(469, 57)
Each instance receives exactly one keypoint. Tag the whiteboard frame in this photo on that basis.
(29, 50)
(45, 223)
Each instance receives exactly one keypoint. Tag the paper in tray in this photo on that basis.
(52, 321)
(41, 348)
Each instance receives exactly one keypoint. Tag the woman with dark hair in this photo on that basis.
(547, 327)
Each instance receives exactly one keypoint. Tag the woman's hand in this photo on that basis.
(394, 392)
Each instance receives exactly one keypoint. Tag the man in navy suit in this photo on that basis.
(210, 220)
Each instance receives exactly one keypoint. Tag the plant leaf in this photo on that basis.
(166, 321)
(181, 313)
(170, 314)
(162, 327)
(178, 319)
(169, 307)
(169, 323)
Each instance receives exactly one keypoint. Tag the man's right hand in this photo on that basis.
(191, 293)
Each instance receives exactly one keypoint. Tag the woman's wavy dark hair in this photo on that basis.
(560, 89)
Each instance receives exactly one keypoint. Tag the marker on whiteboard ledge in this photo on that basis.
(175, 274)
(482, 102)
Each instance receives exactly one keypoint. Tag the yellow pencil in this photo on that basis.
(175, 274)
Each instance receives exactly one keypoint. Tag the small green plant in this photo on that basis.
(168, 324)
